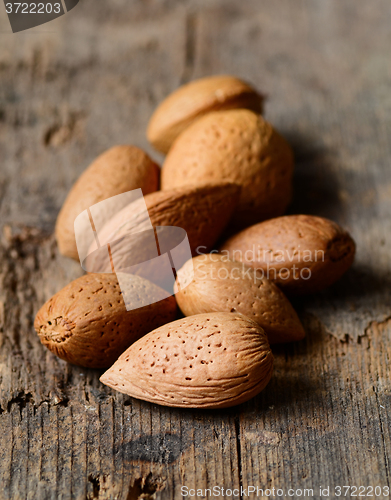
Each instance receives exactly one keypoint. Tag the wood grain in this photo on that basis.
(90, 80)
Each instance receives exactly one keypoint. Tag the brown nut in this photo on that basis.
(213, 360)
(237, 146)
(117, 170)
(203, 212)
(195, 99)
(221, 285)
(87, 323)
(300, 253)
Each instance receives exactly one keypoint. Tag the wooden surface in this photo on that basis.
(76, 86)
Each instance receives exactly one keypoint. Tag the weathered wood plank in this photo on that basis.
(93, 81)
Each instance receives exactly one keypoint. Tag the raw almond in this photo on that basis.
(223, 285)
(237, 146)
(87, 323)
(213, 360)
(118, 170)
(195, 99)
(203, 212)
(301, 253)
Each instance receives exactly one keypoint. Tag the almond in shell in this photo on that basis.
(87, 323)
(201, 211)
(116, 171)
(195, 99)
(237, 146)
(300, 253)
(212, 283)
(213, 360)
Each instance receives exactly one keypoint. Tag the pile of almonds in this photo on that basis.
(227, 181)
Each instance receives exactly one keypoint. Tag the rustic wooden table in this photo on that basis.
(89, 80)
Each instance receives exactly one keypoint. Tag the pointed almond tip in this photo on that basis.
(298, 333)
(105, 378)
(301, 334)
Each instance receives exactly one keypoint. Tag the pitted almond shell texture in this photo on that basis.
(237, 146)
(87, 324)
(117, 170)
(213, 360)
(300, 253)
(195, 99)
(202, 211)
(221, 285)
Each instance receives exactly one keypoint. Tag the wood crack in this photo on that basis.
(385, 448)
(145, 487)
(239, 454)
(377, 324)
(23, 399)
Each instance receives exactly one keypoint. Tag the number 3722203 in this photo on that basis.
(33, 8)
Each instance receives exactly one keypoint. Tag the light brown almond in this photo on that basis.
(237, 146)
(203, 212)
(87, 323)
(300, 253)
(221, 285)
(213, 360)
(195, 99)
(117, 170)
